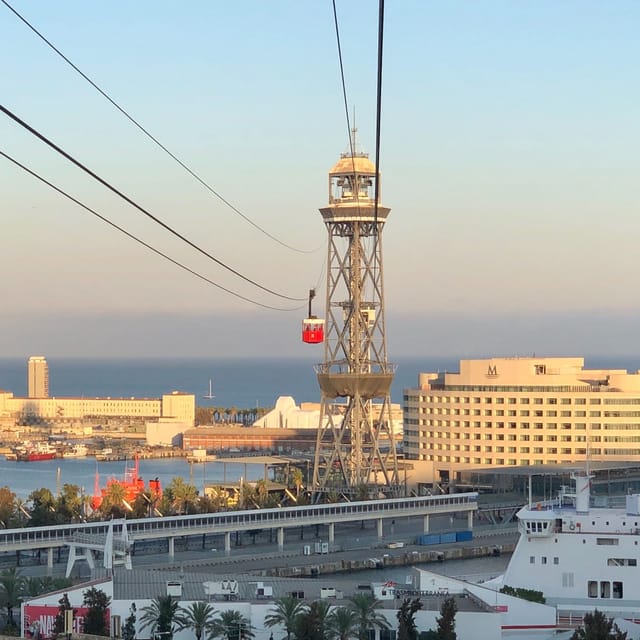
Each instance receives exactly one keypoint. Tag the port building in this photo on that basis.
(178, 406)
(520, 411)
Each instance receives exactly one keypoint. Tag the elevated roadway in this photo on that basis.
(229, 522)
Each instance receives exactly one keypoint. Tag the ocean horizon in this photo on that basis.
(236, 382)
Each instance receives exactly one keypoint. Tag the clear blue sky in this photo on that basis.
(509, 157)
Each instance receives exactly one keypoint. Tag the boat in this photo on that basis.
(580, 557)
(209, 396)
(78, 450)
(132, 485)
(35, 452)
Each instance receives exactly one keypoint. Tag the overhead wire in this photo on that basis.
(139, 240)
(134, 204)
(146, 132)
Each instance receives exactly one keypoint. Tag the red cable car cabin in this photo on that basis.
(312, 330)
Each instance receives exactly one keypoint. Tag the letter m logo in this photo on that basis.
(492, 371)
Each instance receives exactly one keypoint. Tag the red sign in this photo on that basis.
(39, 620)
(502, 608)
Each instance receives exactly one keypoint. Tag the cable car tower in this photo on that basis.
(355, 448)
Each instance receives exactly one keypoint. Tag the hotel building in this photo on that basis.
(521, 411)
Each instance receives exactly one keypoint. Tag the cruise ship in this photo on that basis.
(580, 557)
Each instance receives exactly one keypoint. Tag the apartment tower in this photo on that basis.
(38, 377)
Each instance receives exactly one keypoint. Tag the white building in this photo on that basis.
(521, 411)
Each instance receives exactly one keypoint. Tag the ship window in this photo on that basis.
(532, 559)
(592, 588)
(611, 542)
(617, 590)
(556, 560)
(622, 562)
(567, 579)
(544, 559)
(605, 589)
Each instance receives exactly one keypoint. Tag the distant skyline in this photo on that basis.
(508, 158)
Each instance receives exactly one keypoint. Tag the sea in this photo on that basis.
(241, 382)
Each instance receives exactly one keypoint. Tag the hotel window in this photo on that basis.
(537, 401)
(580, 401)
(594, 414)
(524, 400)
(512, 400)
(499, 400)
(565, 414)
(524, 412)
(552, 401)
(500, 461)
(552, 414)
(594, 401)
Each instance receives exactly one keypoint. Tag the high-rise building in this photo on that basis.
(38, 377)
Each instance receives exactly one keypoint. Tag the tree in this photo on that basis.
(598, 627)
(365, 605)
(231, 625)
(113, 501)
(69, 503)
(181, 496)
(406, 615)
(160, 616)
(199, 616)
(95, 620)
(8, 507)
(447, 621)
(12, 586)
(129, 629)
(312, 624)
(342, 624)
(284, 613)
(43, 508)
(63, 606)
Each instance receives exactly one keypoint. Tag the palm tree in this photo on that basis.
(199, 617)
(113, 500)
(365, 604)
(342, 623)
(183, 496)
(160, 615)
(314, 622)
(231, 625)
(12, 586)
(284, 613)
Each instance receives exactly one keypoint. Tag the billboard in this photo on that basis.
(39, 620)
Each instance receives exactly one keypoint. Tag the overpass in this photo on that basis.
(119, 534)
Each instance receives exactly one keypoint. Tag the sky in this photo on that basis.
(509, 139)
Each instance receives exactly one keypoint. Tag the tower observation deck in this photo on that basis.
(355, 448)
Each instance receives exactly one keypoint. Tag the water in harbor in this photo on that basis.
(24, 477)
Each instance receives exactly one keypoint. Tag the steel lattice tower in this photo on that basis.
(355, 448)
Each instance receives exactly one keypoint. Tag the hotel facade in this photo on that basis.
(507, 412)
